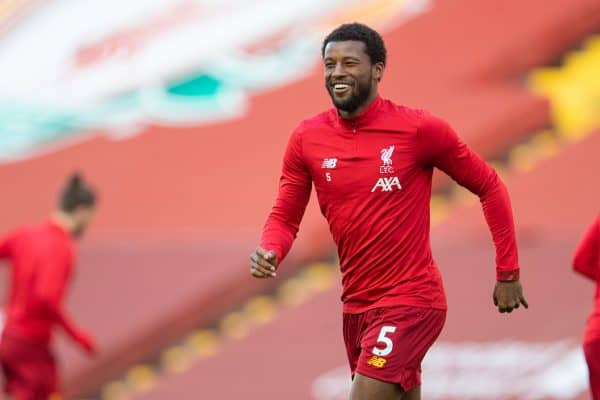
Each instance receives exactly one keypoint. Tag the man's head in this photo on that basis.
(76, 205)
(354, 56)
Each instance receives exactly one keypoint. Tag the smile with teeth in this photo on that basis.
(341, 87)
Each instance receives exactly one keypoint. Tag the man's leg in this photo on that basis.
(414, 394)
(365, 388)
(14, 387)
(29, 370)
(592, 356)
(393, 345)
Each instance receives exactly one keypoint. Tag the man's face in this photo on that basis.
(82, 216)
(349, 75)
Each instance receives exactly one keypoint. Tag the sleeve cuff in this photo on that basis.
(279, 255)
(508, 275)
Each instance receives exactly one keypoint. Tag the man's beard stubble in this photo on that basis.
(356, 99)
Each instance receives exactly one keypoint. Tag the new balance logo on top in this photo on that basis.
(329, 163)
(387, 184)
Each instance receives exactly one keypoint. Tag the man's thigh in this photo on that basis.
(592, 356)
(394, 343)
(29, 370)
(365, 388)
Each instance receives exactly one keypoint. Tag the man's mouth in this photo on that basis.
(341, 88)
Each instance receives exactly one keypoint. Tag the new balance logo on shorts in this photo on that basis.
(387, 184)
(377, 362)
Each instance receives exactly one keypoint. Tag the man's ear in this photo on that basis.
(378, 69)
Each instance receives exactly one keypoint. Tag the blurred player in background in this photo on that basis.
(371, 162)
(42, 259)
(587, 262)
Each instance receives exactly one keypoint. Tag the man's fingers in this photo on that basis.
(508, 307)
(261, 265)
(505, 309)
(256, 272)
(524, 302)
(263, 270)
(260, 274)
(267, 270)
(266, 254)
(257, 259)
(508, 296)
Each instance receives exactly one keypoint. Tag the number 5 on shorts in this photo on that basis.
(389, 345)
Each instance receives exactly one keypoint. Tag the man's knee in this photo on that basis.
(365, 388)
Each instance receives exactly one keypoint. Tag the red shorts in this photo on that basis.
(592, 356)
(29, 369)
(389, 343)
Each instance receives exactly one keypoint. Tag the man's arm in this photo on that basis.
(586, 259)
(49, 291)
(283, 222)
(441, 147)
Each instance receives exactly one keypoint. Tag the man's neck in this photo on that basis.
(63, 220)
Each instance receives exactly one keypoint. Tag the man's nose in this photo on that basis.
(338, 71)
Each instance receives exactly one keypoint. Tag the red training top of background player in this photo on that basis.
(587, 262)
(42, 258)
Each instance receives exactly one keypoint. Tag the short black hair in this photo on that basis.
(76, 193)
(361, 33)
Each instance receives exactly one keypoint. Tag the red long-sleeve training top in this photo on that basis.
(42, 258)
(372, 176)
(586, 261)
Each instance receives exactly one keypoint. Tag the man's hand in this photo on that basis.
(263, 263)
(508, 296)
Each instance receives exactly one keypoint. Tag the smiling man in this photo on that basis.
(371, 162)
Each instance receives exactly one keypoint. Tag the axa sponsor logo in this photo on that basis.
(387, 184)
